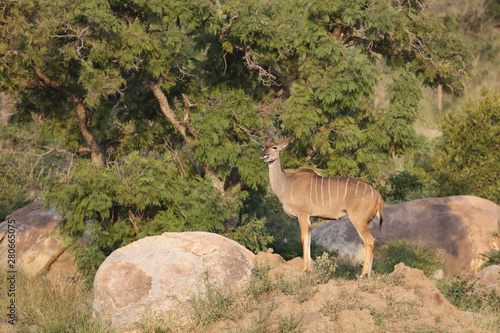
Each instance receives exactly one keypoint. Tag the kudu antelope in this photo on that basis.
(305, 194)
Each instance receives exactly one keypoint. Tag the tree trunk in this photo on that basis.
(96, 150)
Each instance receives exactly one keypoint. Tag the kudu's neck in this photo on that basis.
(278, 178)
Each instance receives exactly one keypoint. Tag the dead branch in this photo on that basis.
(265, 76)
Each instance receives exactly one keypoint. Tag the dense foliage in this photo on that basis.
(469, 150)
(165, 103)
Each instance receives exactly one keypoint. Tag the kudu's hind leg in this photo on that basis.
(361, 225)
(305, 236)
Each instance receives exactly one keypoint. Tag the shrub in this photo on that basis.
(468, 153)
(402, 183)
(400, 250)
(467, 297)
(140, 195)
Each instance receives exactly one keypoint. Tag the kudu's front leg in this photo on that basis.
(305, 236)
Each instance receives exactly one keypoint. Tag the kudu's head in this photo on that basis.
(272, 149)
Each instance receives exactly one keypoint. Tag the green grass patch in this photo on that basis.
(392, 253)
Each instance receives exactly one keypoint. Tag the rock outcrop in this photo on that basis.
(38, 248)
(489, 277)
(160, 274)
(461, 228)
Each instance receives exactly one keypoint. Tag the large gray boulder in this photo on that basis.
(460, 228)
(162, 273)
(38, 247)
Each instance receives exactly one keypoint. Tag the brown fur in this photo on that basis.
(305, 194)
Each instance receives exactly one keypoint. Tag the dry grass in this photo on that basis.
(46, 306)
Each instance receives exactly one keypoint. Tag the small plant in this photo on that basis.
(260, 282)
(304, 286)
(214, 306)
(411, 255)
(289, 323)
(344, 301)
(154, 322)
(492, 257)
(331, 308)
(379, 321)
(261, 322)
(301, 287)
(324, 268)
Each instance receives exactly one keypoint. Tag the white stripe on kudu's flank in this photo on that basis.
(329, 191)
(356, 189)
(372, 190)
(316, 190)
(364, 191)
(346, 187)
(311, 191)
(337, 189)
(322, 202)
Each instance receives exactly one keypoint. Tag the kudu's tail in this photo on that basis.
(379, 212)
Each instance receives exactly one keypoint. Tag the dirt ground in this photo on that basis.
(404, 301)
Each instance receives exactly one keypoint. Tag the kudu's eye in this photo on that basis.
(274, 147)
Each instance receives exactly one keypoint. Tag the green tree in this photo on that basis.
(329, 57)
(195, 86)
(468, 153)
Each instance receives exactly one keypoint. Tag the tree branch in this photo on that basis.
(97, 154)
(165, 108)
(183, 128)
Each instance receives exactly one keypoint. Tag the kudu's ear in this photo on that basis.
(285, 142)
(269, 142)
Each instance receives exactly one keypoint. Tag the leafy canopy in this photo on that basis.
(172, 100)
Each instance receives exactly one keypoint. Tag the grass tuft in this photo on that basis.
(289, 323)
(260, 282)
